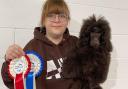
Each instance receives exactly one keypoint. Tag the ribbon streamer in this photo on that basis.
(19, 81)
(30, 81)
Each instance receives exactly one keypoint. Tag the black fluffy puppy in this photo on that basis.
(89, 61)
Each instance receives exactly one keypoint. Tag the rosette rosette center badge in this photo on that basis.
(19, 67)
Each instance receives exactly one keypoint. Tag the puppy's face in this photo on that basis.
(95, 37)
(95, 33)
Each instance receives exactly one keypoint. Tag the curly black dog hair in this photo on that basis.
(89, 61)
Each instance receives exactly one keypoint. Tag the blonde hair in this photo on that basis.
(54, 6)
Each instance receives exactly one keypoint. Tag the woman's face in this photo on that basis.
(56, 24)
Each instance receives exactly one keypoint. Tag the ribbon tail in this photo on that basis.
(30, 79)
(34, 81)
(19, 82)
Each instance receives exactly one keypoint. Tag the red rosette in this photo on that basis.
(24, 61)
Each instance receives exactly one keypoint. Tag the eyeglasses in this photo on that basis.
(52, 17)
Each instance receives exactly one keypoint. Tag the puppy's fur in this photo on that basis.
(89, 61)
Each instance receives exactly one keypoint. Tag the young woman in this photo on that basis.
(52, 41)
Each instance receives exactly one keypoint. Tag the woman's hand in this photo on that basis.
(14, 51)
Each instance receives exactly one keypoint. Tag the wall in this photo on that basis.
(19, 17)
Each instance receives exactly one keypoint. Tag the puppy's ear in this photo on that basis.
(106, 34)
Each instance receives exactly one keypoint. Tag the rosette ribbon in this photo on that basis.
(18, 70)
(37, 65)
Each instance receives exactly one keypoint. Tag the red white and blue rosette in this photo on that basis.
(37, 66)
(18, 69)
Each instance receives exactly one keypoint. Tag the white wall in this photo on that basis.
(19, 17)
